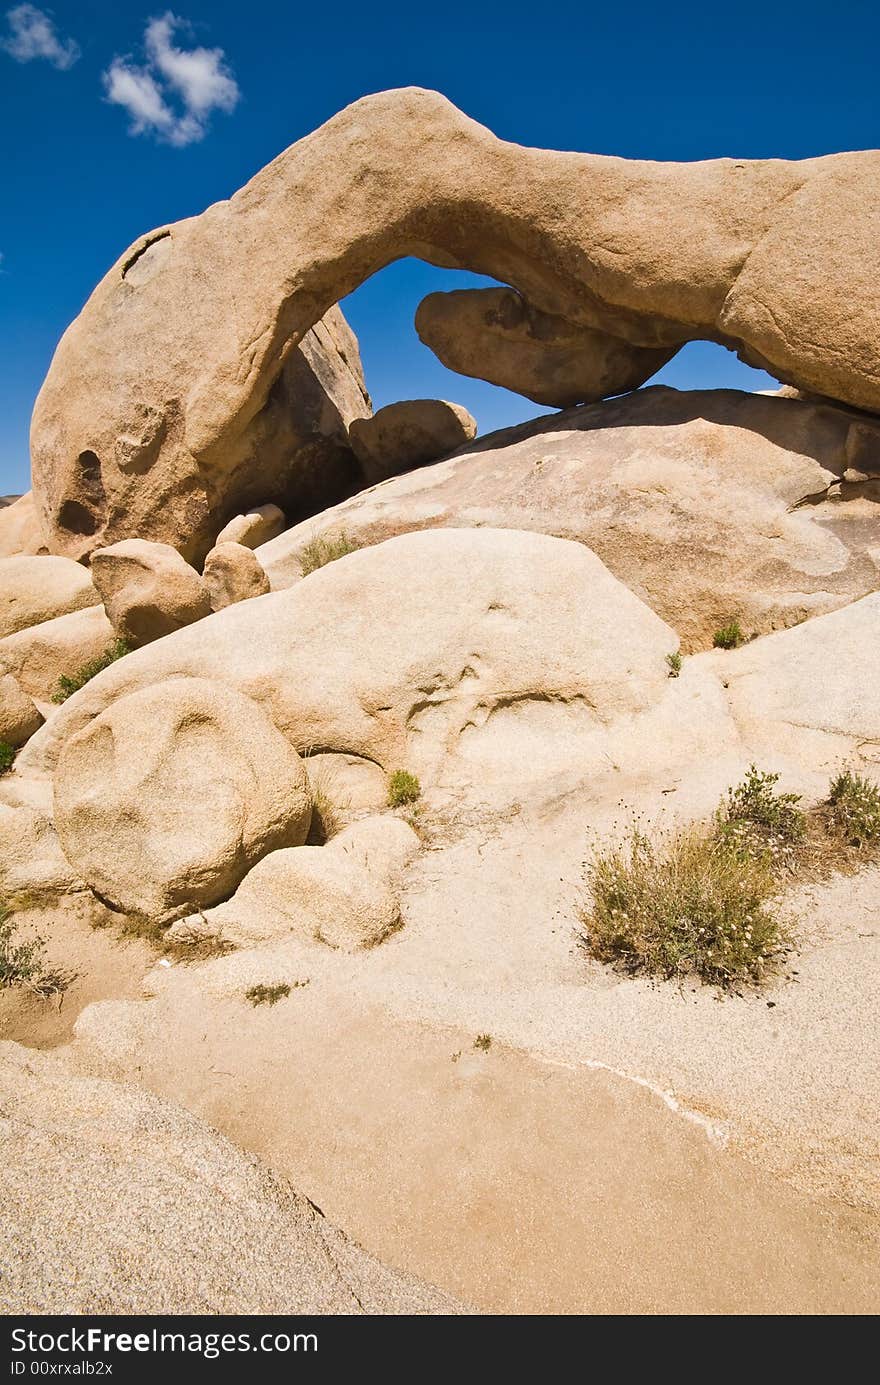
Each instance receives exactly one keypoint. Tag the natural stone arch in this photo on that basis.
(167, 374)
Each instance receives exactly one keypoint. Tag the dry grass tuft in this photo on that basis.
(324, 549)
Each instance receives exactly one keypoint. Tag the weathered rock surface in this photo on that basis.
(148, 589)
(175, 398)
(164, 802)
(709, 505)
(496, 637)
(113, 445)
(19, 528)
(19, 718)
(33, 868)
(258, 526)
(493, 334)
(344, 894)
(409, 433)
(39, 655)
(34, 589)
(119, 1202)
(232, 573)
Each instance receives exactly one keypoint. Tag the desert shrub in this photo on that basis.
(674, 663)
(754, 809)
(729, 636)
(853, 808)
(694, 901)
(68, 684)
(7, 756)
(403, 788)
(324, 549)
(267, 995)
(22, 963)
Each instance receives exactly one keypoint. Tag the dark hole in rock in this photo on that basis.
(76, 519)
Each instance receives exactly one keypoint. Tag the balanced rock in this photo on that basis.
(148, 589)
(119, 1202)
(232, 573)
(185, 389)
(493, 334)
(257, 526)
(34, 589)
(19, 718)
(711, 505)
(166, 800)
(407, 434)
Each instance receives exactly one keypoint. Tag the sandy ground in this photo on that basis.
(620, 1147)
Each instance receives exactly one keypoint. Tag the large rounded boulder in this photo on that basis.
(165, 801)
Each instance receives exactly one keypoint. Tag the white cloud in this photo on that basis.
(32, 34)
(174, 93)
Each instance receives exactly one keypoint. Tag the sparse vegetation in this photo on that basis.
(852, 810)
(758, 815)
(23, 963)
(403, 788)
(483, 1042)
(692, 902)
(674, 662)
(324, 549)
(68, 684)
(704, 900)
(269, 995)
(7, 757)
(729, 636)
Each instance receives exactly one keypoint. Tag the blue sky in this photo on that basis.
(110, 128)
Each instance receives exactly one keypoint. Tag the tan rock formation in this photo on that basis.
(171, 394)
(257, 526)
(108, 469)
(19, 528)
(39, 655)
(34, 589)
(165, 802)
(345, 894)
(407, 434)
(710, 505)
(19, 718)
(493, 334)
(496, 635)
(232, 573)
(101, 1219)
(148, 589)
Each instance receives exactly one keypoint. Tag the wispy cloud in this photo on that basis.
(173, 94)
(32, 34)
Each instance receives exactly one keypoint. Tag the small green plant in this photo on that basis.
(7, 756)
(22, 963)
(853, 809)
(483, 1042)
(403, 788)
(690, 902)
(324, 549)
(730, 636)
(68, 684)
(270, 995)
(754, 809)
(674, 662)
